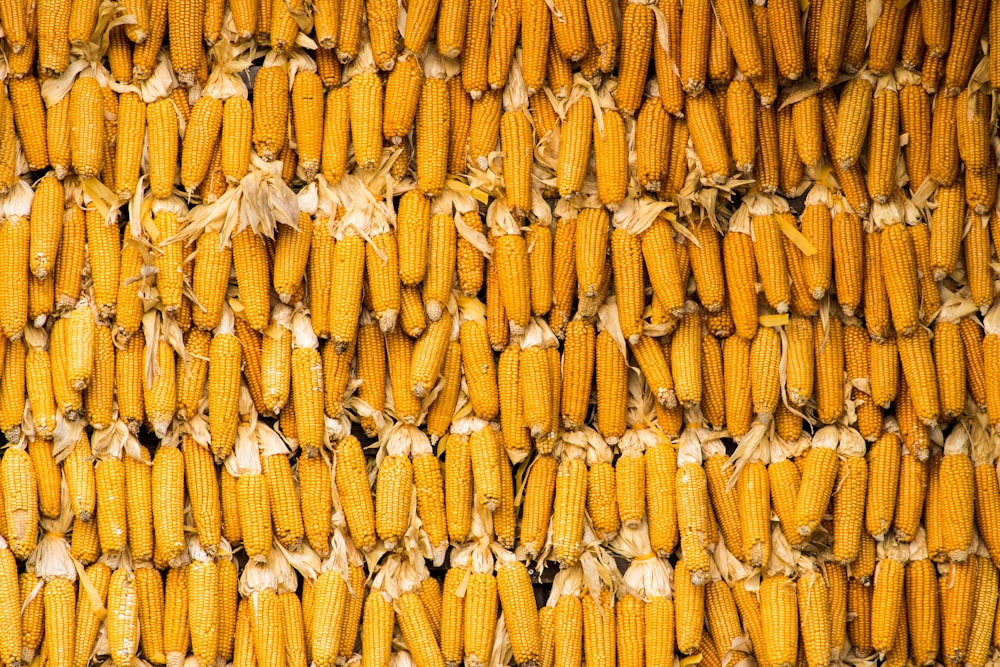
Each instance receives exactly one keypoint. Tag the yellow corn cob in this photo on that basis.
(211, 270)
(950, 366)
(706, 265)
(630, 631)
(458, 477)
(429, 353)
(918, 369)
(441, 258)
(983, 612)
(400, 351)
(366, 117)
(345, 303)
(735, 19)
(780, 616)
(539, 494)
(316, 499)
(689, 603)
(352, 614)
(433, 120)
(31, 627)
(138, 505)
(87, 620)
(957, 594)
(791, 167)
(485, 118)
(60, 613)
(506, 24)
(575, 138)
(336, 374)
(815, 616)
(163, 141)
(149, 597)
(602, 503)
(736, 370)
(915, 117)
(912, 491)
(430, 498)
(371, 368)
(883, 466)
(352, 480)
(29, 118)
(286, 514)
(765, 383)
(957, 472)
(899, 272)
(653, 133)
(816, 226)
(270, 112)
(706, 126)
(20, 502)
(923, 606)
(204, 613)
(330, 607)
(571, 489)
(945, 238)
(415, 625)
(785, 482)
(661, 504)
(885, 41)
(568, 629)
(740, 269)
(817, 479)
(801, 143)
(944, 157)
(628, 273)
(696, 28)
(638, 30)
(518, 603)
(480, 615)
(970, 17)
(770, 258)
(200, 140)
(442, 410)
(755, 505)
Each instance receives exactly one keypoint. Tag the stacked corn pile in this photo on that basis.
(723, 352)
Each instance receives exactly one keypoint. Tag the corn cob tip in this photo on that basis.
(160, 427)
(667, 398)
(387, 320)
(433, 311)
(694, 87)
(134, 425)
